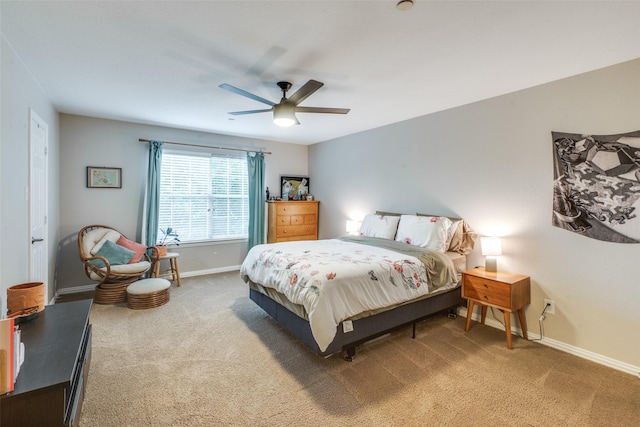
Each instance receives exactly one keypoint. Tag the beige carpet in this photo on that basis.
(211, 357)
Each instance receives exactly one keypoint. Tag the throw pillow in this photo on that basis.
(111, 236)
(429, 232)
(136, 247)
(379, 226)
(454, 234)
(115, 254)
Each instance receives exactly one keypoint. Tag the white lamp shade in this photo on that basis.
(491, 246)
(353, 226)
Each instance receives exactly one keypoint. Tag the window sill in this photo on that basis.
(205, 243)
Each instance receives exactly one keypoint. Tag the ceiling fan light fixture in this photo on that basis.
(404, 4)
(284, 115)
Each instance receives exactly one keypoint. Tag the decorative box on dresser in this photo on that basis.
(507, 292)
(50, 387)
(292, 220)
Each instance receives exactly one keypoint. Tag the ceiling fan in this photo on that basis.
(284, 111)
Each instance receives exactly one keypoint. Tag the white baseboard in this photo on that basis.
(76, 289)
(210, 271)
(92, 286)
(576, 351)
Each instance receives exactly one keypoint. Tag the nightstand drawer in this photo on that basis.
(487, 297)
(481, 284)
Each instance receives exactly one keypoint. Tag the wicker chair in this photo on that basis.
(92, 238)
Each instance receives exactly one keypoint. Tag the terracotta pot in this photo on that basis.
(162, 250)
(25, 295)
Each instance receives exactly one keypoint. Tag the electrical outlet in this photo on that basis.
(552, 306)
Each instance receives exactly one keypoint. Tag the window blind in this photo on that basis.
(204, 196)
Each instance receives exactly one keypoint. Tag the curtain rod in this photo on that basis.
(207, 146)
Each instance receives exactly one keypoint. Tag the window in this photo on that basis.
(203, 196)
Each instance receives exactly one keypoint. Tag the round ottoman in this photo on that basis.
(148, 293)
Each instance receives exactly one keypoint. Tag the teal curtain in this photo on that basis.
(255, 168)
(152, 199)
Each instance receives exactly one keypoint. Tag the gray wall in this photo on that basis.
(491, 163)
(20, 93)
(86, 141)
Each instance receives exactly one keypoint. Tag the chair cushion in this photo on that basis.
(94, 239)
(138, 248)
(139, 267)
(115, 254)
(147, 286)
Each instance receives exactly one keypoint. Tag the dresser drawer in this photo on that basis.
(296, 230)
(298, 220)
(293, 208)
(283, 220)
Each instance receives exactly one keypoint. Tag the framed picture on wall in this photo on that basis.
(101, 177)
(294, 187)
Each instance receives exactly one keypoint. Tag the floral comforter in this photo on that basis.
(339, 278)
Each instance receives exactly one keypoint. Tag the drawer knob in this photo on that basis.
(485, 285)
(284, 231)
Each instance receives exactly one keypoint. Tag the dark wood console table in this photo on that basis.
(50, 386)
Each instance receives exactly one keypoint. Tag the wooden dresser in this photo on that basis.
(51, 383)
(292, 220)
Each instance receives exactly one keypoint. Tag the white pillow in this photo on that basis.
(430, 232)
(379, 226)
(456, 225)
(110, 235)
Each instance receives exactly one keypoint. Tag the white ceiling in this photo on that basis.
(161, 62)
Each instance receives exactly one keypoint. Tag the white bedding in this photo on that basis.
(335, 279)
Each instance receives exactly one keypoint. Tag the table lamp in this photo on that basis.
(353, 227)
(491, 249)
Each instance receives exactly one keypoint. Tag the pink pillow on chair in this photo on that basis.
(138, 248)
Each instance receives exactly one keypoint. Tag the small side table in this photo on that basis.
(173, 271)
(505, 291)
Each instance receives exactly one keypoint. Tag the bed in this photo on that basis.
(336, 294)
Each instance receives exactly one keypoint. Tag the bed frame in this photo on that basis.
(364, 329)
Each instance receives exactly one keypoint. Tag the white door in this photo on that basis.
(38, 204)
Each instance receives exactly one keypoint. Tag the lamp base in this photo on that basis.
(491, 264)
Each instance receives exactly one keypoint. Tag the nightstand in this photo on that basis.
(505, 291)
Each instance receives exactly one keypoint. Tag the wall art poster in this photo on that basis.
(596, 187)
(101, 177)
(294, 187)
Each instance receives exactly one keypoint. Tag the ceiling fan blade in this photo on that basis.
(245, 93)
(303, 93)
(322, 110)
(240, 113)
